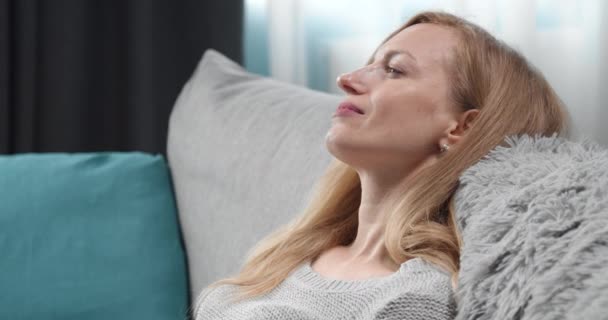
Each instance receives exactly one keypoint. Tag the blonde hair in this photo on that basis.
(512, 98)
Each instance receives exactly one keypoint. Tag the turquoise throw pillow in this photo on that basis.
(90, 236)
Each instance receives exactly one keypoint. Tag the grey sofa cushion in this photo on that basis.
(244, 153)
(534, 222)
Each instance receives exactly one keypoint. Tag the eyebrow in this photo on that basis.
(391, 53)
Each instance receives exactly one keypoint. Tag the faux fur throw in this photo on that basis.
(534, 221)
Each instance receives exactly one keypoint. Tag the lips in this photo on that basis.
(351, 106)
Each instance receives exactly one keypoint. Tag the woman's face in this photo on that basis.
(404, 94)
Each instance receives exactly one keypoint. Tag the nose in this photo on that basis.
(350, 83)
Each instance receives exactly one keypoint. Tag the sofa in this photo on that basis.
(131, 235)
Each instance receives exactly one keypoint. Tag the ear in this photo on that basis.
(459, 127)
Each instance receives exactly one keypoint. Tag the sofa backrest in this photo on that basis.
(244, 153)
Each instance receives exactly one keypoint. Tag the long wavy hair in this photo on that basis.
(512, 97)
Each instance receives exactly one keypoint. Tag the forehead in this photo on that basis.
(428, 43)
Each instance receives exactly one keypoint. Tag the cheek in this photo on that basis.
(407, 118)
(401, 104)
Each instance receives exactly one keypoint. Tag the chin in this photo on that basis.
(338, 150)
(330, 145)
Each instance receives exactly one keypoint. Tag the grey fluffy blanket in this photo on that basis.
(534, 221)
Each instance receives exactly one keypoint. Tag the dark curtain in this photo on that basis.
(102, 75)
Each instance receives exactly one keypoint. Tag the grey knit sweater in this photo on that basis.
(418, 290)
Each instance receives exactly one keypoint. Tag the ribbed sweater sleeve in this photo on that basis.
(417, 307)
(418, 290)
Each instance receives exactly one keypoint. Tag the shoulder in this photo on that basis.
(208, 297)
(431, 297)
(416, 306)
(199, 300)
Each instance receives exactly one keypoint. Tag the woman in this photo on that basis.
(378, 239)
